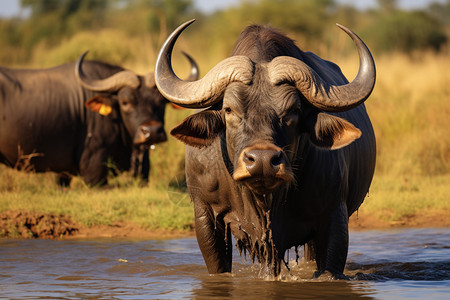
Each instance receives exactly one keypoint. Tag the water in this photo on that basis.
(382, 264)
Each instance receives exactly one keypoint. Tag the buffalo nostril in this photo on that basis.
(249, 158)
(145, 130)
(276, 160)
(160, 130)
(263, 162)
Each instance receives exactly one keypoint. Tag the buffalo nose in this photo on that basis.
(159, 133)
(146, 131)
(154, 134)
(263, 162)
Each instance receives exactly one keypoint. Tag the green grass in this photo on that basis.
(152, 207)
(168, 207)
(392, 198)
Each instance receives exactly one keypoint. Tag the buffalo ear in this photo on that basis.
(99, 105)
(331, 132)
(200, 129)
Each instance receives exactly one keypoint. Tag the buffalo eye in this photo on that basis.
(125, 104)
(232, 116)
(291, 118)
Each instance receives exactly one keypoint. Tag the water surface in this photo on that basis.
(393, 264)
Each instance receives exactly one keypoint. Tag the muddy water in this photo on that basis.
(382, 264)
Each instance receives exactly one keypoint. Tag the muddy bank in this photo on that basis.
(18, 224)
(428, 219)
(28, 225)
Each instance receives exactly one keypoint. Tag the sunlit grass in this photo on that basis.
(393, 198)
(152, 207)
(410, 109)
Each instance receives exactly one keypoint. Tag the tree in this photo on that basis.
(440, 11)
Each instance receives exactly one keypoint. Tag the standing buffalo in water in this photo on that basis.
(284, 154)
(73, 118)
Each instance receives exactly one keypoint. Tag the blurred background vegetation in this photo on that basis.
(409, 107)
(131, 31)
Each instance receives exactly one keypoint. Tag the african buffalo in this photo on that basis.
(283, 154)
(76, 118)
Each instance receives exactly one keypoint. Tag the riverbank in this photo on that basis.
(15, 224)
(128, 230)
(28, 225)
(432, 219)
(33, 206)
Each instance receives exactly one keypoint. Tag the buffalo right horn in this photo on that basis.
(206, 91)
(110, 84)
(318, 92)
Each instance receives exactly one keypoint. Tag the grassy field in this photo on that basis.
(163, 204)
(151, 207)
(410, 109)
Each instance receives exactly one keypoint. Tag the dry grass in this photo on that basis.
(410, 111)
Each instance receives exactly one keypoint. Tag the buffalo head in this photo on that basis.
(140, 105)
(261, 104)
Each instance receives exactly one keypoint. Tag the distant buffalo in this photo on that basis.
(282, 155)
(79, 117)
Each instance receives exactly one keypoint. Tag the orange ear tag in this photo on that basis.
(105, 110)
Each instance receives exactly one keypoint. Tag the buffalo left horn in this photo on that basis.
(318, 92)
(206, 91)
(194, 74)
(110, 84)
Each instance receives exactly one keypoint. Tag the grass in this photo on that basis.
(163, 204)
(410, 113)
(151, 207)
(393, 198)
(410, 110)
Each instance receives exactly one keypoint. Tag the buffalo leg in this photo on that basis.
(331, 244)
(214, 241)
(145, 168)
(309, 251)
(64, 179)
(140, 163)
(93, 168)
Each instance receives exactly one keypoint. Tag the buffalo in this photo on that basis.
(281, 154)
(79, 118)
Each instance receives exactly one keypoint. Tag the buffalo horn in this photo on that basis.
(332, 98)
(110, 84)
(206, 91)
(193, 75)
